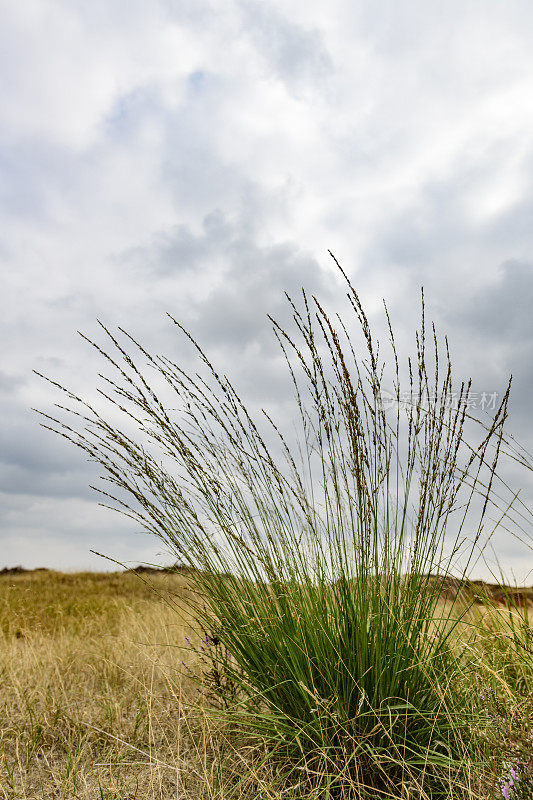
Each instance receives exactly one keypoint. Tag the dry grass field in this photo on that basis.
(95, 701)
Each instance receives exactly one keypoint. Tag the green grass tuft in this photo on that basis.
(315, 554)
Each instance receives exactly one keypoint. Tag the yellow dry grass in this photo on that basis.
(93, 699)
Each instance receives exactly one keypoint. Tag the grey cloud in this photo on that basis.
(22, 444)
(179, 249)
(195, 14)
(33, 173)
(231, 319)
(294, 52)
(192, 172)
(254, 287)
(9, 383)
(503, 310)
(17, 197)
(71, 482)
(254, 276)
(44, 363)
(126, 115)
(513, 227)
(42, 531)
(430, 225)
(484, 309)
(234, 316)
(34, 461)
(499, 322)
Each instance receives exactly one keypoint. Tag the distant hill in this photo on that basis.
(477, 590)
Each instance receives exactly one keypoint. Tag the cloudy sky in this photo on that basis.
(201, 157)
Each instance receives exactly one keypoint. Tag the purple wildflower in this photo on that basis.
(508, 784)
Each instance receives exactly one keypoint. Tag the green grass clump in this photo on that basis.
(320, 556)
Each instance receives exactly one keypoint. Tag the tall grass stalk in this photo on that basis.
(319, 558)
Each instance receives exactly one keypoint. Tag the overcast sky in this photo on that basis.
(202, 157)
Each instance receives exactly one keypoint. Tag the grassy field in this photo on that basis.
(96, 702)
(93, 693)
